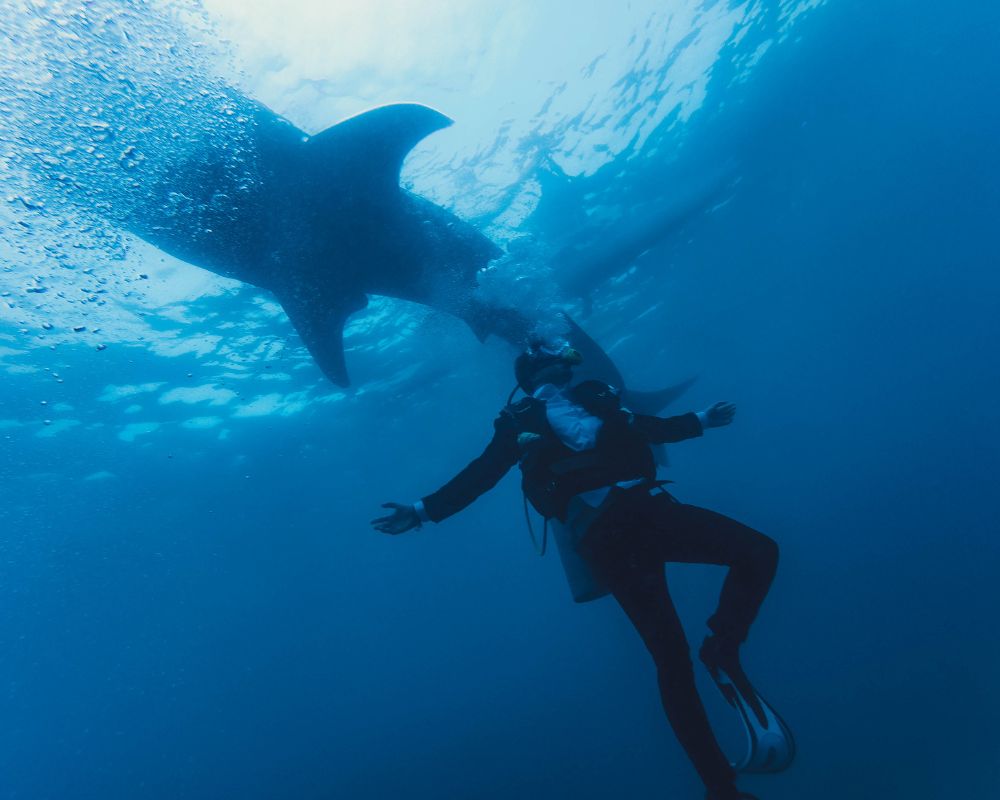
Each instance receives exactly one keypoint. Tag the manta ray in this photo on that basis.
(322, 223)
(584, 253)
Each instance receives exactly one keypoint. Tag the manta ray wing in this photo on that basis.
(321, 328)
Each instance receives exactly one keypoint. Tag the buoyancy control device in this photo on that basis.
(554, 476)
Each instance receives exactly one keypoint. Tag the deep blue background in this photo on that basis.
(219, 621)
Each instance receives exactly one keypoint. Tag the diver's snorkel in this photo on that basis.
(539, 357)
(568, 354)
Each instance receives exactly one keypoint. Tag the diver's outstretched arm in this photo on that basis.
(403, 518)
(718, 415)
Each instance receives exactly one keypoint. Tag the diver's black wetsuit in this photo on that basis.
(640, 529)
(628, 547)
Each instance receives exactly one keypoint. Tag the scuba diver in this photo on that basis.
(587, 463)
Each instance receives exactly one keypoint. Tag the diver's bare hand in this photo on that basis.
(403, 518)
(720, 414)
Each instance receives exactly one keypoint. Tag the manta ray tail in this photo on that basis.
(597, 363)
(655, 401)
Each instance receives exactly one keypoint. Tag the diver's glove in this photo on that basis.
(403, 518)
(717, 416)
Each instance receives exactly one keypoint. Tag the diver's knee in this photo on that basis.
(765, 551)
(757, 552)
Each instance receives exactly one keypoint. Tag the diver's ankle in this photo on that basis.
(719, 651)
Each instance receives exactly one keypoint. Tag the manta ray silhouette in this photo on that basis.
(584, 253)
(322, 223)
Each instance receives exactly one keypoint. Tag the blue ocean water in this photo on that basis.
(194, 604)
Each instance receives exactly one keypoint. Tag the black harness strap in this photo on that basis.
(584, 460)
(531, 530)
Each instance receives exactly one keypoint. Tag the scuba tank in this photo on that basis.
(584, 585)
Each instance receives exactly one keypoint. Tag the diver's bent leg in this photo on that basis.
(646, 600)
(691, 534)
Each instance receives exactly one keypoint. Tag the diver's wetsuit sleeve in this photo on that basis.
(479, 477)
(664, 430)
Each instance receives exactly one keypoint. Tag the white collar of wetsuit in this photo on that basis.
(574, 425)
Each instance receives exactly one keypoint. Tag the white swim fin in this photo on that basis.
(770, 744)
